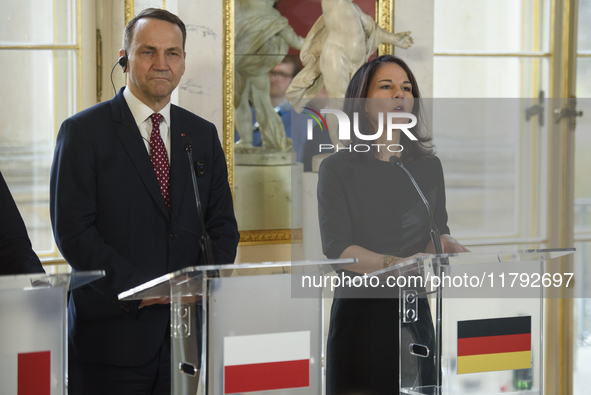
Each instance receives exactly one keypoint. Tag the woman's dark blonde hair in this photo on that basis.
(358, 88)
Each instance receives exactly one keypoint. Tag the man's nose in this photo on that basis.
(160, 62)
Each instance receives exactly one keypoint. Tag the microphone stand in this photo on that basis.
(204, 241)
(188, 345)
(435, 239)
(434, 234)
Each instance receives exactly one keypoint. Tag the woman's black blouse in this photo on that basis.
(373, 204)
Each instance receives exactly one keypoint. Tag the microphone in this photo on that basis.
(434, 234)
(204, 241)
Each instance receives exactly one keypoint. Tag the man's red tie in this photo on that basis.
(160, 158)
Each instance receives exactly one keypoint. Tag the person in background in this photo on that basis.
(122, 201)
(320, 137)
(16, 254)
(262, 39)
(279, 79)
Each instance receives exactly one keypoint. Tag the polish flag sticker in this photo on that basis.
(266, 362)
(25, 373)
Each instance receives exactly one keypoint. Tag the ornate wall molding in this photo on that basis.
(228, 83)
(129, 9)
(273, 236)
(385, 18)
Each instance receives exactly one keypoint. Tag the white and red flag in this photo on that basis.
(266, 362)
(25, 373)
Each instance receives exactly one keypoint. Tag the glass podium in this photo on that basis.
(33, 331)
(470, 323)
(473, 323)
(244, 328)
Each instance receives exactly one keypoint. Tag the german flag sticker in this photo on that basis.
(494, 344)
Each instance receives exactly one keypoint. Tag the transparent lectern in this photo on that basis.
(473, 323)
(33, 331)
(258, 332)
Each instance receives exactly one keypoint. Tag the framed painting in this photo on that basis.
(301, 14)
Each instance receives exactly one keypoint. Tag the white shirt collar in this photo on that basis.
(140, 111)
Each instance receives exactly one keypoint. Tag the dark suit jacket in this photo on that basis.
(16, 254)
(108, 214)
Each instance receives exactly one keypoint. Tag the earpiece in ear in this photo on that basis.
(123, 62)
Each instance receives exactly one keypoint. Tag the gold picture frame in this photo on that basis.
(384, 16)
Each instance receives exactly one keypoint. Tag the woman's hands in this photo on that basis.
(449, 245)
(398, 260)
(369, 261)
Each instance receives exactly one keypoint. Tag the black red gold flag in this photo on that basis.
(494, 344)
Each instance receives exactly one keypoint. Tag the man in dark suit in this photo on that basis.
(122, 201)
(16, 254)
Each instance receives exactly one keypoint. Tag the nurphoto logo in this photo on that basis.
(345, 129)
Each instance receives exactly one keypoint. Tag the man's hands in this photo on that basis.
(166, 300)
(152, 301)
